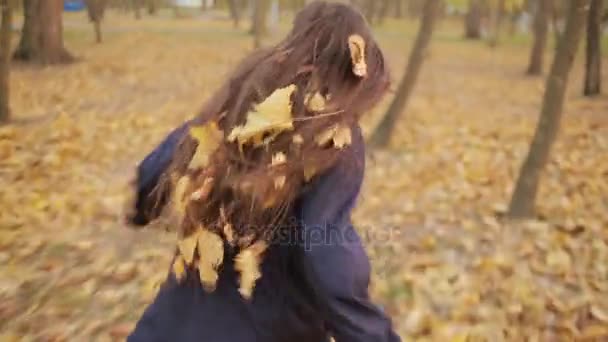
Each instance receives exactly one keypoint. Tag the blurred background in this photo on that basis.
(485, 204)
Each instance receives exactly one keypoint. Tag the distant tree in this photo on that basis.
(235, 11)
(541, 30)
(526, 188)
(382, 135)
(593, 62)
(383, 10)
(5, 59)
(96, 10)
(152, 7)
(260, 21)
(369, 10)
(497, 12)
(136, 4)
(473, 20)
(42, 33)
(398, 5)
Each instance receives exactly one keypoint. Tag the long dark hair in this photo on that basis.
(329, 56)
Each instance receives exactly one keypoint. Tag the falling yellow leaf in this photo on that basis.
(179, 268)
(356, 45)
(211, 256)
(186, 247)
(247, 262)
(272, 116)
(209, 137)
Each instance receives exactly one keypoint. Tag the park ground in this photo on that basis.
(447, 267)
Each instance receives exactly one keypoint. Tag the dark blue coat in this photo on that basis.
(309, 289)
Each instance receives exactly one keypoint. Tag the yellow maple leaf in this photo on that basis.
(208, 137)
(272, 116)
(186, 247)
(179, 268)
(247, 262)
(211, 256)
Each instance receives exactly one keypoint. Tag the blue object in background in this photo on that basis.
(73, 5)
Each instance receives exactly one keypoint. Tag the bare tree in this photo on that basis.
(398, 4)
(42, 33)
(235, 12)
(152, 7)
(260, 21)
(526, 188)
(5, 59)
(473, 20)
(137, 8)
(593, 63)
(541, 29)
(96, 10)
(496, 17)
(382, 135)
(383, 10)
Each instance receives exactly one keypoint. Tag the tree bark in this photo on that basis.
(369, 10)
(398, 8)
(541, 30)
(383, 11)
(382, 135)
(96, 10)
(593, 62)
(496, 18)
(137, 8)
(42, 33)
(235, 12)
(526, 188)
(473, 20)
(5, 59)
(260, 21)
(152, 7)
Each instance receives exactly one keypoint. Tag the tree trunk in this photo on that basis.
(260, 21)
(382, 135)
(496, 17)
(593, 63)
(398, 8)
(526, 188)
(96, 10)
(137, 8)
(383, 11)
(541, 29)
(235, 12)
(152, 7)
(5, 58)
(369, 10)
(42, 33)
(473, 20)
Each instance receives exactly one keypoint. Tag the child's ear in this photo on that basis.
(356, 45)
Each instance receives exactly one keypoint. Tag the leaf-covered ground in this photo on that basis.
(445, 266)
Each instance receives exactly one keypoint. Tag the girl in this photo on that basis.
(261, 184)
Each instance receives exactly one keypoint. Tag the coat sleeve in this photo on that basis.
(334, 262)
(150, 198)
